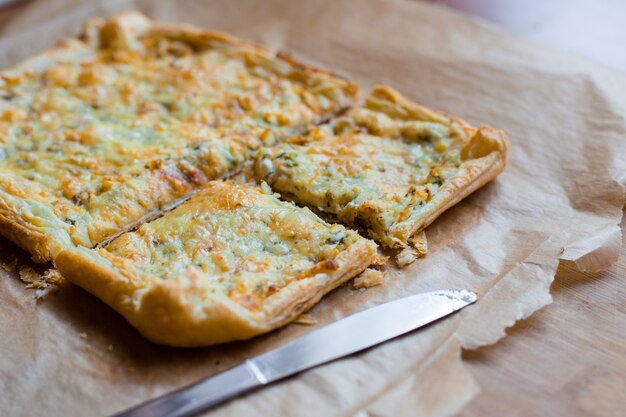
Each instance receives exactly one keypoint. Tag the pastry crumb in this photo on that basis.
(28, 274)
(83, 335)
(37, 285)
(305, 319)
(406, 257)
(417, 248)
(45, 284)
(10, 264)
(419, 243)
(368, 278)
(52, 276)
(110, 348)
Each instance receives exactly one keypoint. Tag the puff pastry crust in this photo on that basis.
(390, 167)
(104, 131)
(232, 262)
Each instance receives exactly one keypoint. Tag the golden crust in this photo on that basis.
(183, 311)
(145, 196)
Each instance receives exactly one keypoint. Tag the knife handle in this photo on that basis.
(207, 393)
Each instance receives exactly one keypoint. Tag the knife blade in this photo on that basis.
(344, 337)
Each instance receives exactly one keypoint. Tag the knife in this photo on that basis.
(341, 338)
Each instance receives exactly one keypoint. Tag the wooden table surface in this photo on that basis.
(569, 358)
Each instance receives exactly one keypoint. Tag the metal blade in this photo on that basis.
(360, 331)
(344, 337)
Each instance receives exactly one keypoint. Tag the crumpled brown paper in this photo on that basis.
(561, 197)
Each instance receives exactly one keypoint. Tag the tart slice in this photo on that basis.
(101, 132)
(232, 262)
(390, 167)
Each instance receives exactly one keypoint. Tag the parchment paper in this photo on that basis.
(561, 197)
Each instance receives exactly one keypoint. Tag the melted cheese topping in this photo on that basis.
(95, 140)
(246, 243)
(367, 169)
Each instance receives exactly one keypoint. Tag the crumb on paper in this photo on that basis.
(52, 276)
(38, 285)
(368, 278)
(28, 274)
(10, 264)
(305, 319)
(419, 243)
(45, 283)
(417, 248)
(83, 335)
(405, 257)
